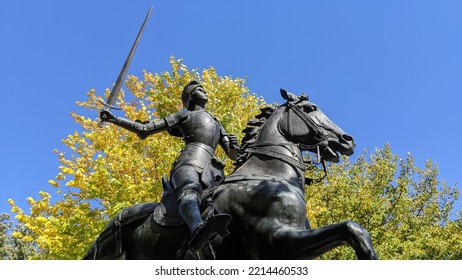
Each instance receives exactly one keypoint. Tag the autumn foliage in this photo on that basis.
(408, 211)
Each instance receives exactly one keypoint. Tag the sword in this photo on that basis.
(110, 103)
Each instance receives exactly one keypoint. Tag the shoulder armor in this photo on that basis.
(176, 118)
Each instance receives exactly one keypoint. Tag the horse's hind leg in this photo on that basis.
(312, 243)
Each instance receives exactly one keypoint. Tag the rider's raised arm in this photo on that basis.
(143, 130)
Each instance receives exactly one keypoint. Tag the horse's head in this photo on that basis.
(305, 124)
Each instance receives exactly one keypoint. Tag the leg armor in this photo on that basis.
(189, 207)
(188, 189)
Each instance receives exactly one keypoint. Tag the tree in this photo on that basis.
(12, 247)
(409, 213)
(110, 168)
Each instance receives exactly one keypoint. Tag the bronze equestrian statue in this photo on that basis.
(264, 195)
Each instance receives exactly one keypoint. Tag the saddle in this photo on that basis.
(166, 213)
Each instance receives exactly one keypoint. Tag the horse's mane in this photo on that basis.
(252, 130)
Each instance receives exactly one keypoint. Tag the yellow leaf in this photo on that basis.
(53, 183)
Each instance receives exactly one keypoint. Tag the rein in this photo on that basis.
(285, 158)
(255, 149)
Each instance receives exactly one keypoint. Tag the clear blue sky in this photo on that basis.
(385, 71)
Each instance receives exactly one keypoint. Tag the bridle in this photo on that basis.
(320, 134)
(320, 137)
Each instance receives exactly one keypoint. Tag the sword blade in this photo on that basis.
(123, 72)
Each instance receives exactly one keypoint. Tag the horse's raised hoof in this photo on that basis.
(213, 225)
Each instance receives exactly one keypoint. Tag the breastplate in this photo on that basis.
(201, 127)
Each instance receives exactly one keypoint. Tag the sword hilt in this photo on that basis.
(107, 107)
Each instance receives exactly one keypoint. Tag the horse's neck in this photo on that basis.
(266, 165)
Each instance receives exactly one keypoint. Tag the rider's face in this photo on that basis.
(199, 94)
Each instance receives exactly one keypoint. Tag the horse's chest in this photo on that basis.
(263, 198)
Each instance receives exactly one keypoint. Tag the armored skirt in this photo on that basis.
(202, 158)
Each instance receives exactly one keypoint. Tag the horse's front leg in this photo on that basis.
(313, 243)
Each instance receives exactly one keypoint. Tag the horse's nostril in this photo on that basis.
(347, 138)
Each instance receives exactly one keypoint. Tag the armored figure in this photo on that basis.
(196, 168)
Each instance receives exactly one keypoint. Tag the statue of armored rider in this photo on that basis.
(201, 133)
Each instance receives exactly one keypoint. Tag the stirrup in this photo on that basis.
(214, 225)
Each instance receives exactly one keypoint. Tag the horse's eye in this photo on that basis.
(311, 108)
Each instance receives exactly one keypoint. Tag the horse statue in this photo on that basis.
(264, 196)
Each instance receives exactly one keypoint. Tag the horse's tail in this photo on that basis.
(109, 244)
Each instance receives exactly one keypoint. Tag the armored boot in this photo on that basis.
(215, 224)
(202, 231)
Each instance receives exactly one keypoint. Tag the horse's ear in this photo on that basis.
(284, 94)
(287, 95)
